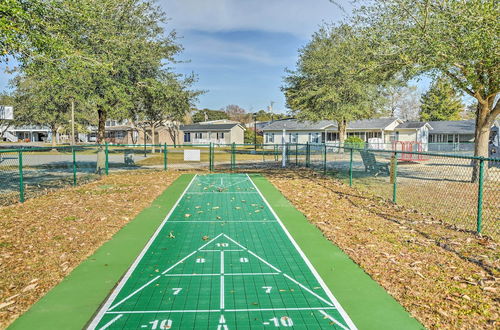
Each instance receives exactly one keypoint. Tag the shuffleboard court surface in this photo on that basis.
(222, 259)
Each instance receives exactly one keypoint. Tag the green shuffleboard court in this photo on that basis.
(221, 259)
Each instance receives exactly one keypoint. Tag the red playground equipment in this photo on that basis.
(404, 147)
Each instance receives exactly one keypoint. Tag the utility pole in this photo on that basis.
(72, 122)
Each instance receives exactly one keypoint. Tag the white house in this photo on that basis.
(326, 131)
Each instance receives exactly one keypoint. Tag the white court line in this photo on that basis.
(250, 274)
(252, 253)
(133, 293)
(174, 311)
(279, 309)
(220, 192)
(226, 274)
(256, 256)
(221, 250)
(226, 310)
(222, 262)
(308, 290)
(125, 278)
(163, 273)
(306, 260)
(113, 320)
(333, 320)
(175, 275)
(222, 292)
(189, 255)
(219, 221)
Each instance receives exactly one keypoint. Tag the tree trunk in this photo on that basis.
(53, 141)
(101, 135)
(152, 139)
(342, 125)
(482, 137)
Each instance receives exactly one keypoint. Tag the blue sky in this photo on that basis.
(239, 49)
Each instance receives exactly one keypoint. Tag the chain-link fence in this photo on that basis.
(463, 191)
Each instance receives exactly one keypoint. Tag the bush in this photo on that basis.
(354, 142)
(250, 135)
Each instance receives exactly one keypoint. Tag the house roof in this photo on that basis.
(209, 127)
(453, 127)
(296, 125)
(413, 125)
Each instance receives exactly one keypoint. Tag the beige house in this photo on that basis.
(213, 133)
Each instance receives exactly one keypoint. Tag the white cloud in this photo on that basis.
(235, 50)
(298, 17)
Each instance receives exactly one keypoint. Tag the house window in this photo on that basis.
(198, 135)
(187, 137)
(314, 137)
(373, 135)
(119, 135)
(293, 137)
(269, 137)
(220, 135)
(331, 136)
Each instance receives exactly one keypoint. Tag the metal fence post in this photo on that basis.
(395, 179)
(165, 157)
(21, 178)
(74, 165)
(350, 167)
(296, 154)
(106, 166)
(233, 156)
(210, 158)
(324, 158)
(308, 154)
(480, 196)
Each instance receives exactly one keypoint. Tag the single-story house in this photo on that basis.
(452, 131)
(326, 131)
(213, 133)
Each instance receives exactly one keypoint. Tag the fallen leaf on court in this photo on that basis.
(187, 215)
(171, 235)
(238, 207)
(218, 218)
(215, 208)
(205, 238)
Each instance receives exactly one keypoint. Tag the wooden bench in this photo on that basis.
(371, 164)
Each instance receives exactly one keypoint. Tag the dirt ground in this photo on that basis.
(44, 239)
(445, 278)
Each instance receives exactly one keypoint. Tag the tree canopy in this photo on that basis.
(458, 39)
(334, 78)
(441, 102)
(207, 115)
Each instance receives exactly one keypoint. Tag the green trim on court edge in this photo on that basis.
(365, 301)
(71, 304)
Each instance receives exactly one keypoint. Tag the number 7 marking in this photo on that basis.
(176, 291)
(267, 288)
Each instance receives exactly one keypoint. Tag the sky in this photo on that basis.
(239, 49)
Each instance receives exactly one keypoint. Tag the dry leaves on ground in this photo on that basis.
(445, 278)
(42, 240)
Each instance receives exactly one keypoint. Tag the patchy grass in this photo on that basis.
(42, 240)
(446, 278)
